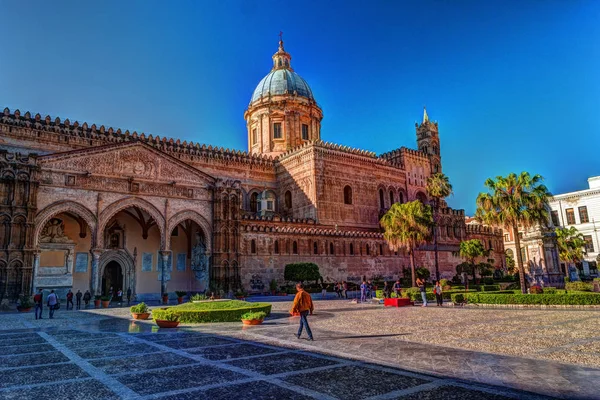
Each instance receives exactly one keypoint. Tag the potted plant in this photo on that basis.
(25, 304)
(140, 311)
(253, 318)
(180, 294)
(241, 294)
(273, 286)
(105, 301)
(165, 298)
(165, 318)
(198, 297)
(97, 301)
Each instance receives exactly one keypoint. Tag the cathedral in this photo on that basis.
(88, 207)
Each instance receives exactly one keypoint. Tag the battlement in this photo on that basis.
(398, 156)
(451, 211)
(482, 229)
(84, 135)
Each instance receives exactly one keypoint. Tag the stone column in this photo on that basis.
(36, 267)
(94, 274)
(163, 271)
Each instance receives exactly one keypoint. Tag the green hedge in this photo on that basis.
(536, 299)
(229, 311)
(490, 288)
(580, 286)
(299, 272)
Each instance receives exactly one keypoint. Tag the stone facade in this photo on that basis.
(88, 207)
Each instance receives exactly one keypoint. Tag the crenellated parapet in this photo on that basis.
(84, 135)
(476, 229)
(453, 212)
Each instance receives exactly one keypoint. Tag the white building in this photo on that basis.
(581, 209)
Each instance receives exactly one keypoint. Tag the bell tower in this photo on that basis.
(428, 141)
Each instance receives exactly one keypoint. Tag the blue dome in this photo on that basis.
(282, 81)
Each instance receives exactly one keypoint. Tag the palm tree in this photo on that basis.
(511, 202)
(470, 250)
(438, 187)
(407, 226)
(570, 245)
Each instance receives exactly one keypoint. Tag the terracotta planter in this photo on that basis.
(165, 299)
(240, 297)
(21, 309)
(252, 321)
(97, 303)
(166, 324)
(105, 304)
(179, 300)
(140, 315)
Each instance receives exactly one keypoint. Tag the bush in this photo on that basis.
(199, 297)
(165, 314)
(25, 302)
(97, 297)
(300, 272)
(273, 285)
(490, 288)
(488, 281)
(217, 311)
(139, 308)
(254, 315)
(550, 290)
(538, 299)
(579, 286)
(180, 293)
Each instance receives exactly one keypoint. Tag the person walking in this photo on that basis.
(86, 298)
(78, 296)
(52, 302)
(69, 299)
(324, 290)
(386, 290)
(345, 289)
(421, 285)
(363, 292)
(369, 290)
(38, 299)
(120, 296)
(437, 290)
(303, 305)
(128, 296)
(397, 288)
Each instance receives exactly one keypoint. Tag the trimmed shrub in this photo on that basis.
(550, 290)
(255, 315)
(216, 311)
(139, 308)
(580, 286)
(443, 283)
(300, 272)
(490, 288)
(537, 299)
(165, 314)
(488, 281)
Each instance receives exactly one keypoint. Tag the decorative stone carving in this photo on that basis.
(54, 232)
(200, 261)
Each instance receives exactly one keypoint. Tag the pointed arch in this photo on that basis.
(195, 217)
(60, 207)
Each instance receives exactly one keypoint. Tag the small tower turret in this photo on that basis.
(428, 141)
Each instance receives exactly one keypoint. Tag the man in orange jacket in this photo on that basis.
(303, 304)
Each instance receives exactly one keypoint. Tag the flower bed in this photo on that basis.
(217, 311)
(539, 299)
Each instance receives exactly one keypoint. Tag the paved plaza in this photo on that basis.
(361, 351)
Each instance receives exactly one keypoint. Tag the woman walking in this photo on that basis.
(437, 290)
(422, 289)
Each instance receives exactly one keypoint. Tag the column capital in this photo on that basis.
(96, 253)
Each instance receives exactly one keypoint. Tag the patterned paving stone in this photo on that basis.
(234, 351)
(245, 391)
(452, 393)
(25, 341)
(23, 360)
(112, 351)
(140, 363)
(354, 382)
(35, 348)
(85, 390)
(196, 342)
(280, 363)
(169, 335)
(33, 375)
(178, 378)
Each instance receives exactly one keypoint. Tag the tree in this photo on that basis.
(511, 202)
(571, 245)
(438, 187)
(300, 272)
(510, 261)
(407, 226)
(470, 250)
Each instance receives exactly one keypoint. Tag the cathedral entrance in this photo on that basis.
(112, 278)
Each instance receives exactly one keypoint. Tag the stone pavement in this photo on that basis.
(103, 355)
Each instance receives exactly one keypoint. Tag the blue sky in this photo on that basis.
(514, 85)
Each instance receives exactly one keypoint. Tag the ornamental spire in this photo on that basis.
(281, 59)
(425, 116)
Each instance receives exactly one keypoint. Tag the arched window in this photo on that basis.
(381, 203)
(294, 248)
(422, 198)
(254, 202)
(276, 249)
(401, 197)
(288, 199)
(253, 246)
(490, 244)
(315, 248)
(331, 251)
(351, 249)
(449, 231)
(368, 250)
(347, 195)
(391, 198)
(381, 249)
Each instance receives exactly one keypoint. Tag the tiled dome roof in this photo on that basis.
(282, 81)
